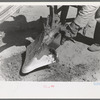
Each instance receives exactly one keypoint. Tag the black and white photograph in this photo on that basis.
(50, 43)
(49, 50)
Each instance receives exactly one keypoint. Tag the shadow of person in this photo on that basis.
(96, 38)
(18, 30)
(84, 39)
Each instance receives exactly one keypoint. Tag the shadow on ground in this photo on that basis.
(84, 39)
(18, 30)
(88, 40)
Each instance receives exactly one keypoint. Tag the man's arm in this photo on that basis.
(81, 20)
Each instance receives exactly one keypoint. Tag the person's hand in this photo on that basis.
(68, 33)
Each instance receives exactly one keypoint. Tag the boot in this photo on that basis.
(94, 47)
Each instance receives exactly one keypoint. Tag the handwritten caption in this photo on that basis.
(48, 86)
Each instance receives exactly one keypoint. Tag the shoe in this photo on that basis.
(94, 47)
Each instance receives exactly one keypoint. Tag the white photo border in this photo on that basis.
(41, 90)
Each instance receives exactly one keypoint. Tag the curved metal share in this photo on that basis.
(38, 55)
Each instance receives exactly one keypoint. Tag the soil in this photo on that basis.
(76, 63)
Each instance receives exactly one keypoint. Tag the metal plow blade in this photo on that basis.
(37, 63)
(37, 55)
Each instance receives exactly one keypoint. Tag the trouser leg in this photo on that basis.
(85, 14)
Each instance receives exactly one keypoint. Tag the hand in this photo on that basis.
(67, 34)
(68, 31)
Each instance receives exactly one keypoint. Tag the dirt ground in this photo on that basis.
(76, 63)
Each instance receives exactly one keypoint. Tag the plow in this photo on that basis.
(42, 51)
